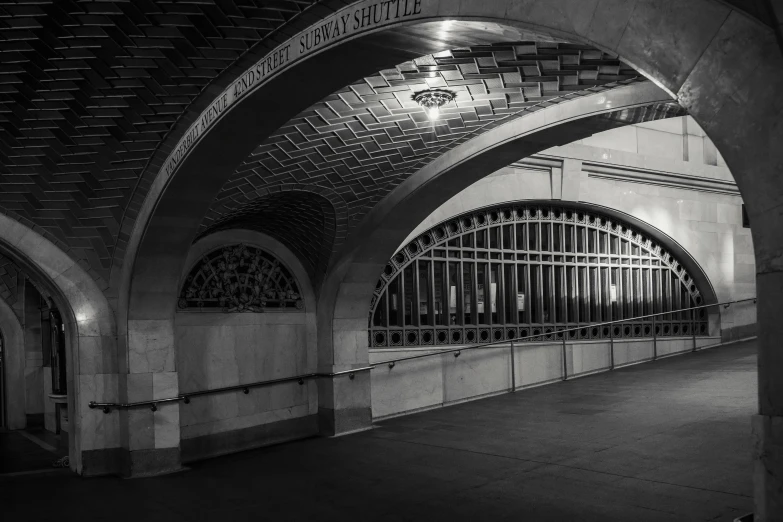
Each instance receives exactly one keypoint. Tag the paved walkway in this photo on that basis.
(655, 442)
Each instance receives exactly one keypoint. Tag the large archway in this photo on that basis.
(91, 351)
(682, 47)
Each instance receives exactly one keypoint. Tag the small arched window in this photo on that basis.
(240, 278)
(523, 270)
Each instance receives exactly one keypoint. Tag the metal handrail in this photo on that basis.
(185, 397)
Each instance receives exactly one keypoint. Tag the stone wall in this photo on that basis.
(217, 349)
(37, 375)
(437, 381)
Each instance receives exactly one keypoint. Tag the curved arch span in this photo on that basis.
(682, 46)
(353, 281)
(91, 344)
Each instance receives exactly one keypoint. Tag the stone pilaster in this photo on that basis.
(344, 403)
(768, 467)
(153, 437)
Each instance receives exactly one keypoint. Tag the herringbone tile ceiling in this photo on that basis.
(361, 142)
(88, 90)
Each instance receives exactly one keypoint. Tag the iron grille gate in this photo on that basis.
(519, 270)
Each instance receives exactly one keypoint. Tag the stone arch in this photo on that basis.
(682, 46)
(310, 221)
(403, 209)
(13, 347)
(92, 358)
(554, 20)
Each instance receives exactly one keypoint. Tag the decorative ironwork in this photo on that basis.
(529, 269)
(240, 278)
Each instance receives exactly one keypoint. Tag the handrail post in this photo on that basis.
(693, 328)
(565, 363)
(611, 347)
(513, 370)
(655, 340)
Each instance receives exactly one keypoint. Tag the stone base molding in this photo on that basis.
(767, 437)
(151, 462)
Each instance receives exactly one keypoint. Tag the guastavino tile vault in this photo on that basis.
(231, 224)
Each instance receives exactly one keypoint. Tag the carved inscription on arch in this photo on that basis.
(349, 21)
(240, 278)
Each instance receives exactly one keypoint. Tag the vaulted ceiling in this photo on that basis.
(359, 143)
(88, 91)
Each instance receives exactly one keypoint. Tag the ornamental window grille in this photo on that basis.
(240, 278)
(528, 270)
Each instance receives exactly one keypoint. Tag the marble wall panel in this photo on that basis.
(98, 430)
(629, 352)
(587, 357)
(409, 386)
(538, 363)
(218, 350)
(150, 346)
(213, 407)
(166, 424)
(96, 355)
(671, 346)
(141, 429)
(475, 373)
(431, 382)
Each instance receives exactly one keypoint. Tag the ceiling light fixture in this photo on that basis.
(432, 100)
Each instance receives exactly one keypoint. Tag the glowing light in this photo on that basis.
(432, 100)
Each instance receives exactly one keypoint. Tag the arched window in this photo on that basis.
(239, 278)
(521, 270)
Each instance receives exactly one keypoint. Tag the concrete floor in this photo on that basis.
(661, 441)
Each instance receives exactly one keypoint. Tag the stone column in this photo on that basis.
(767, 426)
(344, 404)
(152, 438)
(37, 373)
